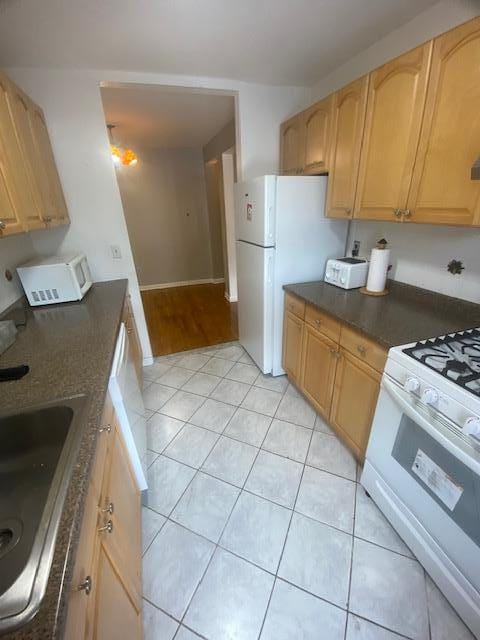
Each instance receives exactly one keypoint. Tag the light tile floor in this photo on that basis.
(256, 526)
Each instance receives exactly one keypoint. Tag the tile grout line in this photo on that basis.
(242, 489)
(222, 532)
(286, 536)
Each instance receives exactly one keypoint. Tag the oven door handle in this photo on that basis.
(471, 460)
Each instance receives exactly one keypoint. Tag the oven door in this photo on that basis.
(424, 476)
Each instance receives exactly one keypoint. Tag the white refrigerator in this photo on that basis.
(282, 237)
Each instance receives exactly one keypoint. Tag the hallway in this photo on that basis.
(183, 318)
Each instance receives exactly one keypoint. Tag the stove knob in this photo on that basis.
(343, 280)
(430, 396)
(472, 426)
(329, 274)
(411, 384)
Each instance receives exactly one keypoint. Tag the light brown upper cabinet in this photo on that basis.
(442, 191)
(316, 135)
(31, 195)
(54, 207)
(348, 119)
(395, 105)
(16, 142)
(292, 146)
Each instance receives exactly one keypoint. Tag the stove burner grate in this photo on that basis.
(455, 356)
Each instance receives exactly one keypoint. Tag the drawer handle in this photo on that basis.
(86, 585)
(397, 213)
(108, 527)
(108, 508)
(106, 429)
(361, 350)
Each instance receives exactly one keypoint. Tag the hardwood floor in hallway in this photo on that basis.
(182, 318)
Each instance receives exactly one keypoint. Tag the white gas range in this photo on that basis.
(422, 464)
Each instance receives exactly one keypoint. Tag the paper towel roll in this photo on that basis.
(377, 272)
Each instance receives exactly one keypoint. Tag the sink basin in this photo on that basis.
(37, 454)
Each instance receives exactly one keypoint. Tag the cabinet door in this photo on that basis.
(292, 345)
(348, 120)
(82, 593)
(15, 197)
(354, 401)
(318, 369)
(316, 133)
(52, 193)
(116, 614)
(18, 104)
(442, 191)
(291, 146)
(396, 100)
(123, 495)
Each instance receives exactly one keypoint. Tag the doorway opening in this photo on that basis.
(178, 201)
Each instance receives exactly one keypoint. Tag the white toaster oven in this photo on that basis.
(347, 273)
(55, 279)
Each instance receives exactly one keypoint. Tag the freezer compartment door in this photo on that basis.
(255, 211)
(255, 268)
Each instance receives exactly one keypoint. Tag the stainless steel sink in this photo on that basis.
(38, 448)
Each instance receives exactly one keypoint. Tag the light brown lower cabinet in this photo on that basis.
(354, 400)
(106, 595)
(319, 361)
(292, 345)
(340, 378)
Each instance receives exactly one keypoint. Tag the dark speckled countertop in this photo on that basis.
(69, 349)
(406, 315)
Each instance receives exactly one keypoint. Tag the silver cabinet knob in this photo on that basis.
(407, 214)
(106, 429)
(108, 528)
(361, 350)
(397, 213)
(2, 224)
(108, 508)
(86, 585)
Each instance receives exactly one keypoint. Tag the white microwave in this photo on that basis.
(55, 279)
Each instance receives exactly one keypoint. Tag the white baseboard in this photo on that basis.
(183, 283)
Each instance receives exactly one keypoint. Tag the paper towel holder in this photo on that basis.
(381, 244)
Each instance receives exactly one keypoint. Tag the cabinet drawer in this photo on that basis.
(323, 322)
(294, 305)
(363, 348)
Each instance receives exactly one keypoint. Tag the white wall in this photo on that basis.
(74, 114)
(14, 250)
(420, 253)
(165, 205)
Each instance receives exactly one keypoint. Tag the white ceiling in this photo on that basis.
(149, 116)
(292, 42)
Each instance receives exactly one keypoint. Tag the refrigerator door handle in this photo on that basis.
(269, 221)
(270, 270)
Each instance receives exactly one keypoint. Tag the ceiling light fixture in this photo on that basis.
(128, 157)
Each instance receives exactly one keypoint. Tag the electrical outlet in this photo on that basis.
(116, 253)
(356, 248)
